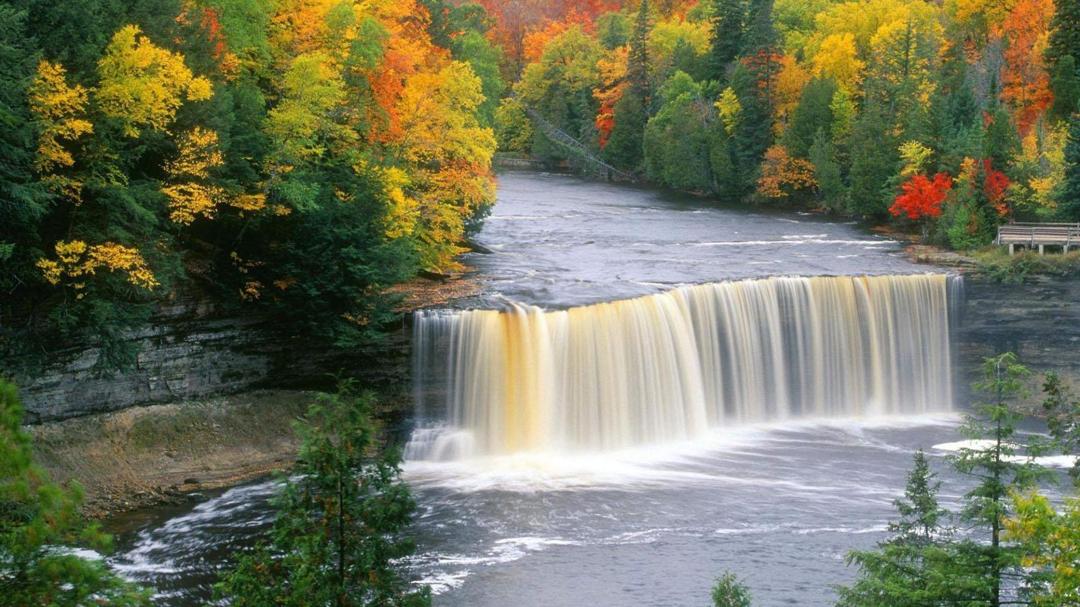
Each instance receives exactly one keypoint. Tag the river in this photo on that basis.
(776, 494)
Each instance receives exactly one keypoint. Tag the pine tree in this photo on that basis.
(1070, 189)
(637, 69)
(37, 519)
(1064, 31)
(760, 32)
(728, 22)
(920, 514)
(728, 591)
(998, 474)
(1065, 83)
(339, 526)
(827, 171)
(811, 115)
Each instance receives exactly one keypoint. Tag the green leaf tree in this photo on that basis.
(39, 523)
(340, 522)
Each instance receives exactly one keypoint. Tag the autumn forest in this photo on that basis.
(304, 155)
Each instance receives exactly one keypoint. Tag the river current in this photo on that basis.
(779, 503)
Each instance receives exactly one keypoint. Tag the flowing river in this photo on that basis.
(651, 390)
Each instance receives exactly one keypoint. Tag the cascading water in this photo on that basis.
(671, 366)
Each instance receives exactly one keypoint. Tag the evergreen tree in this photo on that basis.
(637, 68)
(998, 474)
(625, 145)
(22, 200)
(920, 514)
(612, 30)
(812, 115)
(1064, 32)
(1000, 141)
(728, 591)
(1065, 83)
(917, 566)
(874, 159)
(753, 133)
(728, 22)
(1070, 188)
(1062, 411)
(339, 526)
(38, 521)
(761, 33)
(822, 154)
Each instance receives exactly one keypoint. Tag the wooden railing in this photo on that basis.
(1039, 235)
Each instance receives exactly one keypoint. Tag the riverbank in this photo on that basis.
(144, 456)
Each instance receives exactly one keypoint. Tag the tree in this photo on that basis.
(873, 162)
(484, 59)
(340, 523)
(783, 176)
(39, 523)
(922, 197)
(811, 115)
(1065, 84)
(1025, 80)
(993, 463)
(728, 22)
(676, 138)
(637, 68)
(1050, 543)
(918, 565)
(1062, 411)
(827, 171)
(1070, 194)
(728, 591)
(1064, 33)
(143, 85)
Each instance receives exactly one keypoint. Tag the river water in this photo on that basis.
(777, 502)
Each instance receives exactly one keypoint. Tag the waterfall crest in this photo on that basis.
(673, 365)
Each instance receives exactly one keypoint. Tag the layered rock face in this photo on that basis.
(190, 351)
(1038, 320)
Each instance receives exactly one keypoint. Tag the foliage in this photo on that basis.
(1012, 541)
(1070, 188)
(948, 81)
(39, 527)
(999, 266)
(783, 176)
(179, 142)
(728, 591)
(922, 196)
(340, 520)
(1050, 543)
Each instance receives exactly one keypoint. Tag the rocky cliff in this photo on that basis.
(1039, 320)
(192, 350)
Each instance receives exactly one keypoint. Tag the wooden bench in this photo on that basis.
(1041, 235)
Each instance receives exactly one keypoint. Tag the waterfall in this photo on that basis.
(673, 365)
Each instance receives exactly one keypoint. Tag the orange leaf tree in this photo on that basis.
(921, 197)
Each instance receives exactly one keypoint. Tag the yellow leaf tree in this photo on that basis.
(142, 85)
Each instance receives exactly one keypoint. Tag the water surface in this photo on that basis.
(779, 504)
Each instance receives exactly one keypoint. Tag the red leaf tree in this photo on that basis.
(995, 184)
(922, 197)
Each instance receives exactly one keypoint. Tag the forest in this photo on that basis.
(947, 117)
(295, 156)
(302, 156)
